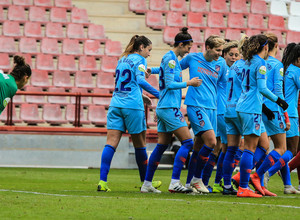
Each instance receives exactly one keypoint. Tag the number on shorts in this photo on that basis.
(122, 88)
(177, 112)
(256, 118)
(199, 115)
(162, 84)
(246, 74)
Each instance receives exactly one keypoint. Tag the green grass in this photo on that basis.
(71, 194)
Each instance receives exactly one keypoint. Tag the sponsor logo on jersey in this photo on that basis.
(6, 101)
(281, 71)
(172, 64)
(142, 68)
(262, 70)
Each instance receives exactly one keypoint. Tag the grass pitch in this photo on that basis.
(32, 193)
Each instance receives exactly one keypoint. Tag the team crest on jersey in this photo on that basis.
(142, 68)
(6, 101)
(262, 70)
(257, 126)
(202, 123)
(281, 71)
(281, 125)
(218, 68)
(172, 64)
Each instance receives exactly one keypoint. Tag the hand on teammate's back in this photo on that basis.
(194, 82)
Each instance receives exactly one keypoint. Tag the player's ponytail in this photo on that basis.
(183, 37)
(21, 68)
(242, 45)
(290, 55)
(135, 43)
(254, 45)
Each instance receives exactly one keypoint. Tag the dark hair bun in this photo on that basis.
(184, 30)
(19, 60)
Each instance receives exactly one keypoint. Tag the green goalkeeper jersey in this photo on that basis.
(8, 89)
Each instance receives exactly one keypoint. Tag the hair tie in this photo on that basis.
(264, 44)
(181, 41)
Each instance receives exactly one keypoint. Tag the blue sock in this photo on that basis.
(259, 163)
(106, 158)
(269, 161)
(180, 158)
(201, 160)
(219, 173)
(237, 157)
(192, 166)
(142, 161)
(154, 160)
(246, 165)
(258, 155)
(229, 164)
(286, 175)
(208, 168)
(285, 158)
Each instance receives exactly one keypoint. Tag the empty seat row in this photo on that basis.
(53, 114)
(42, 3)
(224, 6)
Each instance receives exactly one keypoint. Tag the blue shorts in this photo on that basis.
(294, 130)
(233, 126)
(202, 119)
(275, 126)
(123, 119)
(221, 129)
(251, 123)
(169, 119)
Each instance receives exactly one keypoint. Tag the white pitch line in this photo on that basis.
(176, 200)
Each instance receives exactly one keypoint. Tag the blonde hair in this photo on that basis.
(244, 37)
(214, 41)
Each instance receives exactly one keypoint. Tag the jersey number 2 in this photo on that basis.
(127, 73)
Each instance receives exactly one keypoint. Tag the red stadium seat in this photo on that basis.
(4, 62)
(34, 98)
(256, 21)
(113, 48)
(7, 45)
(276, 22)
(93, 47)
(194, 49)
(44, 62)
(233, 34)
(209, 32)
(97, 115)
(109, 64)
(138, 6)
(29, 113)
(2, 16)
(216, 20)
(84, 79)
(63, 3)
(71, 47)
(54, 30)
(105, 81)
(88, 63)
(169, 34)
(75, 31)
(250, 32)
(84, 100)
(218, 6)
(155, 20)
(16, 13)
(195, 20)
(178, 5)
(28, 45)
(196, 35)
(62, 79)
(67, 63)
(53, 114)
(281, 42)
(15, 118)
(57, 99)
(198, 6)
(79, 15)
(238, 6)
(158, 5)
(27, 58)
(18, 99)
(33, 29)
(236, 21)
(70, 115)
(5, 3)
(175, 19)
(22, 2)
(259, 7)
(105, 101)
(43, 3)
(50, 46)
(96, 32)
(58, 15)
(292, 36)
(38, 14)
(40, 78)
(11, 29)
(153, 81)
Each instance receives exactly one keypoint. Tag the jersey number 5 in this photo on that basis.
(122, 85)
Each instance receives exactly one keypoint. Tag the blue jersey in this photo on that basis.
(234, 88)
(221, 85)
(254, 86)
(170, 82)
(130, 72)
(291, 88)
(206, 94)
(274, 82)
